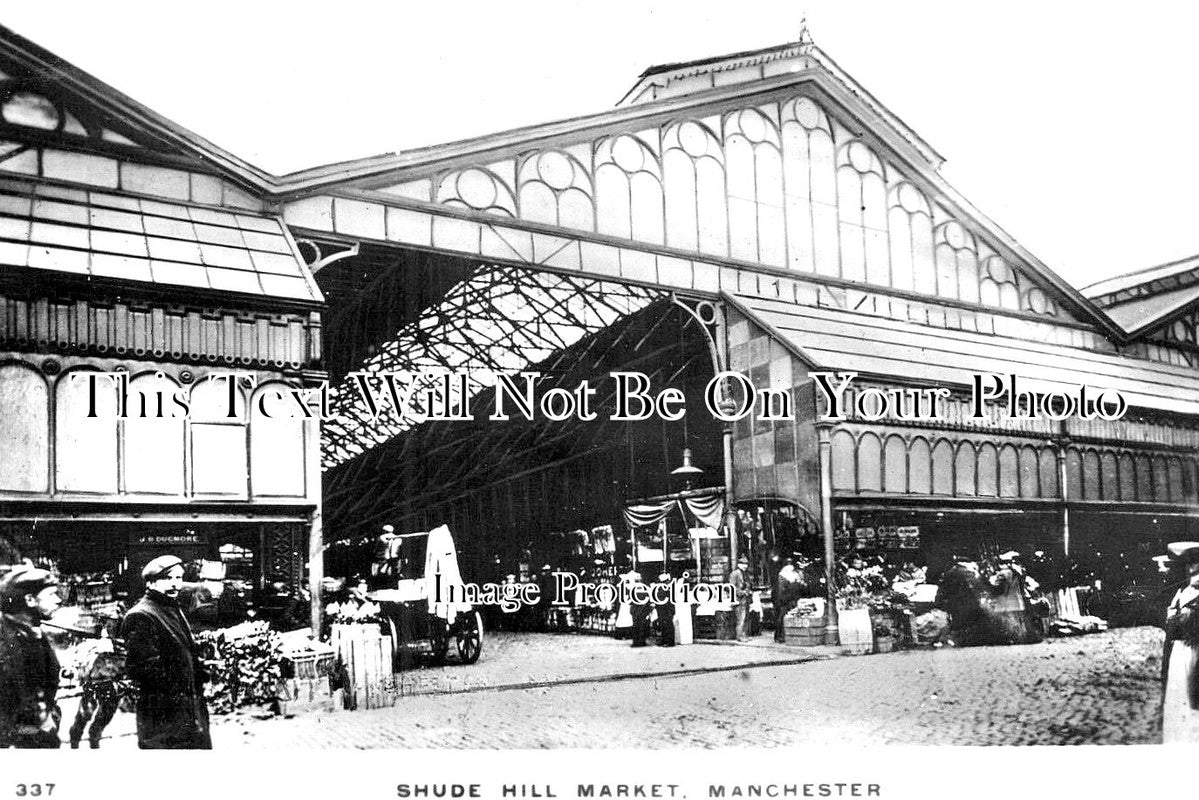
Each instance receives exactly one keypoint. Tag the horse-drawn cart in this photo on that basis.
(412, 583)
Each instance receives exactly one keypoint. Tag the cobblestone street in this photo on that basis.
(1098, 689)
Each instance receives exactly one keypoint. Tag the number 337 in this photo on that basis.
(34, 789)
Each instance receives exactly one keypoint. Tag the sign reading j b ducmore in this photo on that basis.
(729, 396)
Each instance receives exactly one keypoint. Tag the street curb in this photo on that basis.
(623, 676)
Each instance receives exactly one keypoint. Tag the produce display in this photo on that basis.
(245, 665)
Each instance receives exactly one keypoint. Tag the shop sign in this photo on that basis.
(164, 539)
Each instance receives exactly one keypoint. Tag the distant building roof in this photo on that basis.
(1139, 301)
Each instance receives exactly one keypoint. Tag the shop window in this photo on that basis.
(238, 561)
(1047, 462)
(85, 447)
(1128, 478)
(895, 458)
(277, 457)
(1009, 477)
(964, 470)
(988, 471)
(153, 444)
(943, 468)
(1090, 475)
(1109, 476)
(1029, 472)
(24, 430)
(218, 440)
(920, 467)
(843, 461)
(870, 475)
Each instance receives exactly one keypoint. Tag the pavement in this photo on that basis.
(563, 690)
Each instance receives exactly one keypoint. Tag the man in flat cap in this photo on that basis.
(162, 660)
(29, 714)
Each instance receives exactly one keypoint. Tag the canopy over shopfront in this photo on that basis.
(131, 247)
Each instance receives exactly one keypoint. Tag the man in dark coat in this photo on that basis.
(162, 660)
(29, 713)
(960, 595)
(665, 608)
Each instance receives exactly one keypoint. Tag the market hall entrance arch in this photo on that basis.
(515, 493)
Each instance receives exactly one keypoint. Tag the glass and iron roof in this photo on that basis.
(106, 235)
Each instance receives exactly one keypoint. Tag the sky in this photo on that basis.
(1068, 124)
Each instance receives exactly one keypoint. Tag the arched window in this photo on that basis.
(218, 439)
(154, 457)
(757, 228)
(988, 471)
(1073, 475)
(1047, 460)
(556, 189)
(1109, 476)
(910, 225)
(1144, 479)
(477, 189)
(628, 190)
(895, 457)
(957, 263)
(85, 447)
(1177, 491)
(1128, 478)
(920, 467)
(1090, 475)
(843, 461)
(24, 429)
(696, 211)
(1161, 480)
(943, 468)
(810, 174)
(870, 475)
(1009, 472)
(862, 212)
(1029, 472)
(998, 285)
(964, 469)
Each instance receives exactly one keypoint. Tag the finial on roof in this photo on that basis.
(805, 37)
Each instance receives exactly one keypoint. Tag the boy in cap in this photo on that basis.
(29, 713)
(163, 661)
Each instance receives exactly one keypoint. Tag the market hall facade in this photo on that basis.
(759, 213)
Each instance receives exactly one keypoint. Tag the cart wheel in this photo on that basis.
(439, 638)
(469, 637)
